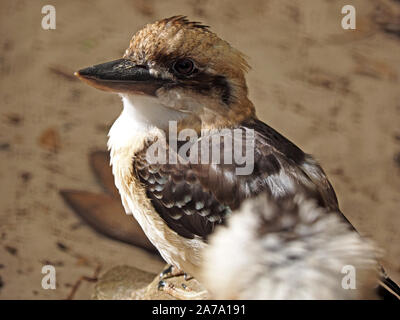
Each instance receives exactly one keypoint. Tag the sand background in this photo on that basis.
(334, 92)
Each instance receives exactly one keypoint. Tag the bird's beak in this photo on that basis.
(122, 76)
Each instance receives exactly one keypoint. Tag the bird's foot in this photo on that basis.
(187, 277)
(184, 293)
(171, 271)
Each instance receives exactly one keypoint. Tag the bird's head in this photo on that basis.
(183, 66)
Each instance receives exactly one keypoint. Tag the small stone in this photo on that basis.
(397, 159)
(26, 176)
(14, 119)
(50, 140)
(11, 250)
(62, 246)
(4, 146)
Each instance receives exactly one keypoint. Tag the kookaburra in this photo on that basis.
(179, 72)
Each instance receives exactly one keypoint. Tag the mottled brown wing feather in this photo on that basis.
(194, 198)
(299, 158)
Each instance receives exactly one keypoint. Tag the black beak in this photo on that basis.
(121, 76)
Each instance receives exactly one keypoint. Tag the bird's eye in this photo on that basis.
(184, 66)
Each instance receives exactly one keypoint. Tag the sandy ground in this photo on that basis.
(334, 92)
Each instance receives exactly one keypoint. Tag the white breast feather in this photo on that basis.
(143, 118)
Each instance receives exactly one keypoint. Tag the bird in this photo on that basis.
(177, 76)
(289, 248)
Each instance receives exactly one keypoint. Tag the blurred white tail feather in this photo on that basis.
(288, 249)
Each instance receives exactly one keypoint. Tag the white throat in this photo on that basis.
(147, 112)
(140, 116)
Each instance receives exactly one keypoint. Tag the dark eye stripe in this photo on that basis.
(205, 84)
(222, 84)
(197, 80)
